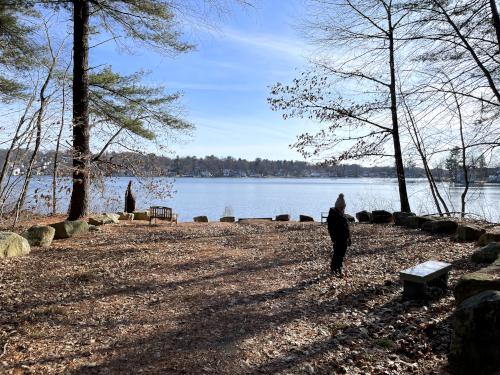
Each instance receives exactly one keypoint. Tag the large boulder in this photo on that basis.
(227, 219)
(487, 278)
(440, 226)
(67, 229)
(381, 216)
(39, 235)
(13, 245)
(469, 232)
(305, 218)
(487, 254)
(141, 215)
(401, 218)
(128, 216)
(200, 219)
(416, 222)
(104, 219)
(489, 236)
(284, 217)
(364, 216)
(350, 218)
(475, 343)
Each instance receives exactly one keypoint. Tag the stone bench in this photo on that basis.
(417, 278)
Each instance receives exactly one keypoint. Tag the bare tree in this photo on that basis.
(362, 37)
(40, 113)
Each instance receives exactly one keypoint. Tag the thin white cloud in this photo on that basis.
(213, 87)
(283, 46)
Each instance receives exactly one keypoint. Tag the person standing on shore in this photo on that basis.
(338, 228)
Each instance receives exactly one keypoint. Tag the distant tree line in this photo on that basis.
(212, 166)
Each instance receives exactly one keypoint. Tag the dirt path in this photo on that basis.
(224, 299)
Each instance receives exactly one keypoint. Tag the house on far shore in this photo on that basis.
(495, 178)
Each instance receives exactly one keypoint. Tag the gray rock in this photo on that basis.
(401, 218)
(487, 254)
(487, 278)
(381, 216)
(475, 343)
(350, 218)
(305, 218)
(416, 222)
(39, 235)
(93, 228)
(364, 216)
(141, 215)
(66, 229)
(13, 245)
(440, 226)
(227, 219)
(200, 219)
(284, 217)
(489, 236)
(249, 220)
(104, 219)
(469, 232)
(125, 216)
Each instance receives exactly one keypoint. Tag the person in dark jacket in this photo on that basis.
(338, 228)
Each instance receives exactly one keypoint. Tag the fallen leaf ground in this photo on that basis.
(225, 299)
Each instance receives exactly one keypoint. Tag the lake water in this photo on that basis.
(267, 197)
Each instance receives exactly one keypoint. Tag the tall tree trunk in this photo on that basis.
(56, 153)
(464, 159)
(81, 146)
(440, 197)
(496, 20)
(420, 146)
(403, 194)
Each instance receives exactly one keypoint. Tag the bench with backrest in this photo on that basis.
(324, 217)
(416, 279)
(162, 213)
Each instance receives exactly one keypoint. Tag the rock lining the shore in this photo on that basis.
(67, 229)
(40, 235)
(13, 245)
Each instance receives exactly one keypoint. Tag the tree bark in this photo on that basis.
(403, 194)
(496, 20)
(464, 159)
(58, 146)
(81, 147)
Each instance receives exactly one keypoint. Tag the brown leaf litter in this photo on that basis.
(221, 298)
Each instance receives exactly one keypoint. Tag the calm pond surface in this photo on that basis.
(267, 197)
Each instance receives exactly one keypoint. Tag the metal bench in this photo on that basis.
(162, 213)
(324, 217)
(417, 279)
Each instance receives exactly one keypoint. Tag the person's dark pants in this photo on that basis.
(339, 249)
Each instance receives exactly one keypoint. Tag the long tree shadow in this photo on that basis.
(207, 337)
(130, 287)
(230, 320)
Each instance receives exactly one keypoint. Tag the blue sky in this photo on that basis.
(226, 80)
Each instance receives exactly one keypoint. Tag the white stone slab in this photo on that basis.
(425, 271)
